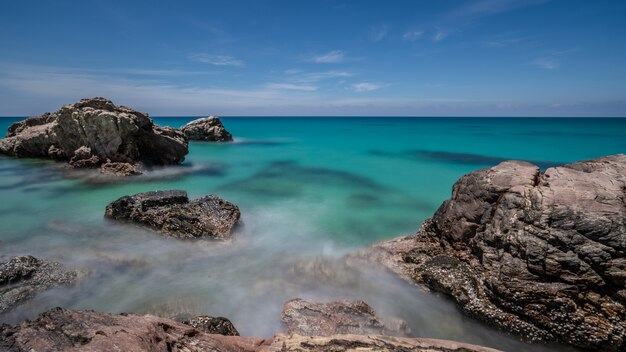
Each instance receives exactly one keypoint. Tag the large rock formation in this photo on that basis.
(537, 254)
(207, 129)
(92, 132)
(173, 214)
(338, 317)
(65, 330)
(21, 278)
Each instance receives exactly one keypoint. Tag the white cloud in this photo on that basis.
(290, 86)
(217, 60)
(547, 63)
(439, 35)
(412, 35)
(367, 86)
(334, 56)
(310, 77)
(379, 33)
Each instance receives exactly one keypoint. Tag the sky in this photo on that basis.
(326, 57)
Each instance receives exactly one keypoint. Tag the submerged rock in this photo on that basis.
(66, 330)
(173, 214)
(338, 317)
(92, 131)
(213, 325)
(22, 277)
(537, 254)
(207, 129)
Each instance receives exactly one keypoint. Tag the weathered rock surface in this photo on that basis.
(120, 169)
(541, 255)
(173, 214)
(207, 129)
(22, 277)
(338, 317)
(213, 325)
(65, 330)
(92, 131)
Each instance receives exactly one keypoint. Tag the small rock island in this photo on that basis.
(209, 129)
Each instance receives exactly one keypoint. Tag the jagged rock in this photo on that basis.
(213, 325)
(65, 330)
(207, 129)
(541, 255)
(22, 277)
(172, 213)
(91, 131)
(120, 169)
(338, 317)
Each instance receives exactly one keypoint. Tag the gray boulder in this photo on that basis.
(22, 277)
(538, 254)
(207, 129)
(92, 131)
(173, 214)
(338, 317)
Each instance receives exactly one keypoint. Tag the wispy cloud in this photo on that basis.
(379, 33)
(291, 86)
(367, 86)
(440, 35)
(412, 35)
(547, 63)
(331, 57)
(311, 77)
(473, 10)
(217, 60)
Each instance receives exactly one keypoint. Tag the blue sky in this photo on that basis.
(327, 57)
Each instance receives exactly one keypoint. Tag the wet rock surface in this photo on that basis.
(213, 325)
(338, 317)
(541, 255)
(66, 330)
(92, 131)
(208, 129)
(174, 214)
(22, 277)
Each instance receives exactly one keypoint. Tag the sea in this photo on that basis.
(310, 189)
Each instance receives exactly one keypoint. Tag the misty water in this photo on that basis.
(310, 190)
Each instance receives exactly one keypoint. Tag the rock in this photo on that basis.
(213, 325)
(338, 317)
(66, 330)
(207, 129)
(21, 278)
(91, 131)
(173, 214)
(541, 255)
(120, 169)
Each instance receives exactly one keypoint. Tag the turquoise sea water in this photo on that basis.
(310, 190)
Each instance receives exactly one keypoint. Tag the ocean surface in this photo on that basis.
(310, 189)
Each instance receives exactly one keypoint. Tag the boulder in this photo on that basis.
(66, 330)
(173, 214)
(22, 277)
(338, 317)
(91, 131)
(538, 254)
(120, 169)
(207, 129)
(213, 325)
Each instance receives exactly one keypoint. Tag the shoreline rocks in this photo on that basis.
(93, 132)
(208, 129)
(23, 277)
(338, 317)
(60, 329)
(539, 255)
(213, 325)
(172, 213)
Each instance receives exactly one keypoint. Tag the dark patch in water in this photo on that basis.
(457, 158)
(260, 143)
(562, 133)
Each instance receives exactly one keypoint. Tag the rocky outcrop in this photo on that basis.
(173, 214)
(65, 330)
(213, 325)
(338, 317)
(207, 129)
(93, 131)
(538, 254)
(120, 169)
(21, 278)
